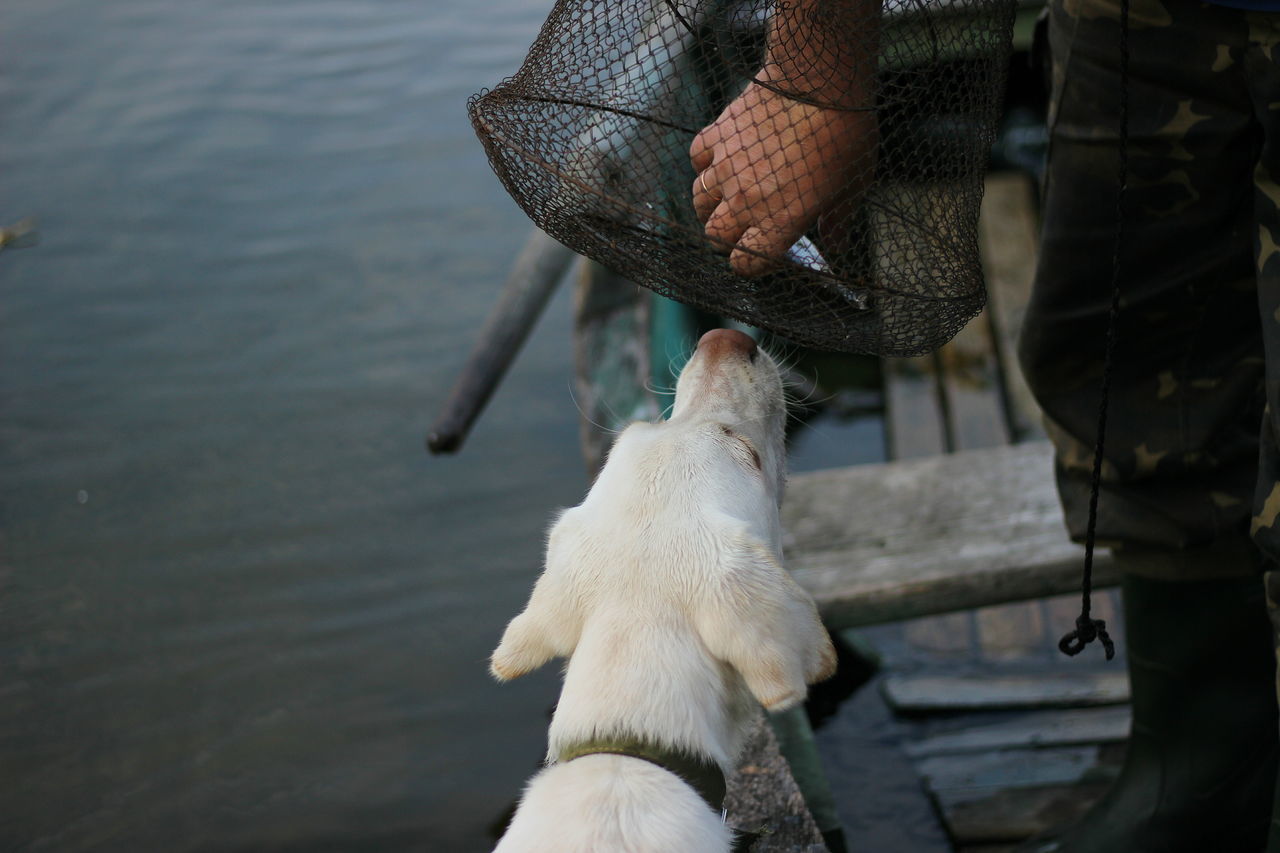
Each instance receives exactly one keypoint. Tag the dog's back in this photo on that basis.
(612, 804)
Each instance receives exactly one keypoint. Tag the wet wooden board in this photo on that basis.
(1014, 794)
(1007, 231)
(1014, 814)
(971, 382)
(972, 395)
(764, 798)
(978, 775)
(877, 543)
(1078, 726)
(1011, 632)
(915, 420)
(921, 693)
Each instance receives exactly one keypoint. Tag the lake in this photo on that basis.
(240, 607)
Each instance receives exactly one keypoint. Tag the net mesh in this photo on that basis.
(810, 167)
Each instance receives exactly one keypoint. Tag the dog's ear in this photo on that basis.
(759, 620)
(551, 622)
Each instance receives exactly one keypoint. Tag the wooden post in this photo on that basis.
(537, 270)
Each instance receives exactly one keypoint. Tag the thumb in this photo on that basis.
(761, 249)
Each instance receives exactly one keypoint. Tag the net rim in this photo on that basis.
(812, 276)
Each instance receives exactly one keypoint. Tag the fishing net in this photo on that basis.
(833, 197)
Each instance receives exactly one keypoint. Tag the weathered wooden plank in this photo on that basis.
(764, 798)
(977, 775)
(876, 543)
(979, 412)
(971, 382)
(916, 427)
(947, 635)
(919, 693)
(1033, 790)
(1014, 814)
(532, 280)
(1074, 727)
(914, 416)
(1012, 631)
(1007, 229)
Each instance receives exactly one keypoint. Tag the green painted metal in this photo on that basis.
(673, 333)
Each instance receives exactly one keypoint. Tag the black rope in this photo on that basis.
(1089, 629)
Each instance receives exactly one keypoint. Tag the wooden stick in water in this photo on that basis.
(539, 267)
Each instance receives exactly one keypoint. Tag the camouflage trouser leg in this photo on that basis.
(1200, 280)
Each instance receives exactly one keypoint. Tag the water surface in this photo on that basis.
(240, 608)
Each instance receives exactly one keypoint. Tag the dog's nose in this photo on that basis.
(726, 341)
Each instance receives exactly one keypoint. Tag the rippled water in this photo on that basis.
(240, 608)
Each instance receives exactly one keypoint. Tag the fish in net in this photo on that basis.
(809, 167)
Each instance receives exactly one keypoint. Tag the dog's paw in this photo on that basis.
(783, 701)
(502, 669)
(823, 666)
(507, 662)
(523, 649)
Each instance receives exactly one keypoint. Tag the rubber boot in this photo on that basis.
(1200, 770)
(1272, 587)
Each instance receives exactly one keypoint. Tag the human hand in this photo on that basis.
(770, 168)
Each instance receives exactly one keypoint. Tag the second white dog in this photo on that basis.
(665, 591)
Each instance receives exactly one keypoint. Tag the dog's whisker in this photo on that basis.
(656, 391)
(606, 430)
(684, 349)
(811, 400)
(785, 356)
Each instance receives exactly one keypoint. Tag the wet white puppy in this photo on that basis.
(665, 591)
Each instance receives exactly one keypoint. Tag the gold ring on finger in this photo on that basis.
(702, 181)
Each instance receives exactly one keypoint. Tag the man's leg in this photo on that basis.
(1185, 404)
(1186, 401)
(1260, 61)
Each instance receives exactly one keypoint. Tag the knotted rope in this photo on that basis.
(1089, 629)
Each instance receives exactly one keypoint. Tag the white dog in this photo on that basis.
(665, 591)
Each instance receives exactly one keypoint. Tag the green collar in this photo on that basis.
(697, 771)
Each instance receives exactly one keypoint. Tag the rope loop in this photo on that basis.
(1087, 630)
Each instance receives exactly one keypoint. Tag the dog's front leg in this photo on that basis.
(547, 628)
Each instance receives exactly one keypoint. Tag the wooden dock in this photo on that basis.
(957, 551)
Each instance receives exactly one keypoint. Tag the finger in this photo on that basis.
(724, 228)
(761, 249)
(707, 195)
(701, 151)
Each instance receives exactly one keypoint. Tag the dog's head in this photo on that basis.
(683, 519)
(719, 459)
(732, 384)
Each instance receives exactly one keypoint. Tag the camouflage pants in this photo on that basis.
(1192, 464)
